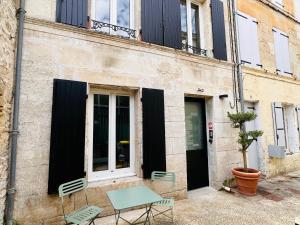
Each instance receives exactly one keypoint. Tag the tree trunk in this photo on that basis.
(245, 159)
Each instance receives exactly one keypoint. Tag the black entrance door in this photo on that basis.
(196, 143)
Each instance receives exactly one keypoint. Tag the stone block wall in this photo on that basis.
(8, 24)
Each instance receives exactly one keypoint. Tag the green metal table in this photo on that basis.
(127, 198)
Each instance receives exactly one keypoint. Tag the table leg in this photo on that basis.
(117, 216)
(148, 211)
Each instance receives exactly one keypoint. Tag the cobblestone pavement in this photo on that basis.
(277, 203)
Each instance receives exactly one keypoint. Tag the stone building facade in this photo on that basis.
(194, 85)
(112, 66)
(7, 54)
(270, 87)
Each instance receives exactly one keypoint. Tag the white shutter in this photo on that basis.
(279, 65)
(281, 43)
(248, 39)
(279, 124)
(297, 9)
(245, 46)
(291, 128)
(254, 43)
(284, 43)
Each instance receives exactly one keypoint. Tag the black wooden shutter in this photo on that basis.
(152, 21)
(172, 23)
(73, 12)
(218, 29)
(67, 133)
(154, 150)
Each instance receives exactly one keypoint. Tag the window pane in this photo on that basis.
(183, 22)
(100, 143)
(123, 13)
(102, 11)
(122, 132)
(195, 25)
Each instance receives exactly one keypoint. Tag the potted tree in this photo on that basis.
(246, 178)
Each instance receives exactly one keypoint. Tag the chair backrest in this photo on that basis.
(163, 176)
(72, 187)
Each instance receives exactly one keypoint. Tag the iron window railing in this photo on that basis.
(126, 32)
(195, 50)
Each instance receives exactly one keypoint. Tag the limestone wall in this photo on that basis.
(7, 53)
(60, 51)
(264, 85)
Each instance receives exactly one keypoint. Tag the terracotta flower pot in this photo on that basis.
(246, 180)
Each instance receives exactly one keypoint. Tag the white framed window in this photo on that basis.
(248, 39)
(192, 25)
(111, 130)
(286, 124)
(114, 12)
(282, 55)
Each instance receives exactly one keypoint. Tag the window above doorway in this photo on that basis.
(192, 27)
(114, 17)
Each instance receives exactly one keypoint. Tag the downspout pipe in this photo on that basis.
(11, 189)
(238, 57)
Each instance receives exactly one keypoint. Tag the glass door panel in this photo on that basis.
(122, 132)
(100, 134)
(194, 126)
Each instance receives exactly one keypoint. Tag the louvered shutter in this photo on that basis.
(248, 40)
(67, 133)
(297, 9)
(281, 43)
(172, 23)
(279, 124)
(154, 152)
(218, 30)
(152, 21)
(73, 12)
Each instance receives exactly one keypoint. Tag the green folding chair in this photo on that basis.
(167, 202)
(86, 214)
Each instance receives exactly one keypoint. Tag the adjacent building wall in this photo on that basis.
(264, 85)
(7, 50)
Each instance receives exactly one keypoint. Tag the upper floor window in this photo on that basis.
(190, 26)
(248, 40)
(281, 43)
(112, 13)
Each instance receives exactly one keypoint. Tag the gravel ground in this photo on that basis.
(277, 203)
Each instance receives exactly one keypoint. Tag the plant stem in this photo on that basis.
(245, 159)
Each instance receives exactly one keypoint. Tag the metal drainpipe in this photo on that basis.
(15, 124)
(238, 58)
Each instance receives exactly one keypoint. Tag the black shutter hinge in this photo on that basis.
(142, 166)
(141, 99)
(87, 96)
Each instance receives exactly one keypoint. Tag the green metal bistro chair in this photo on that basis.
(167, 202)
(86, 214)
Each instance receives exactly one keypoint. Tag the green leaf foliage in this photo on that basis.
(246, 138)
